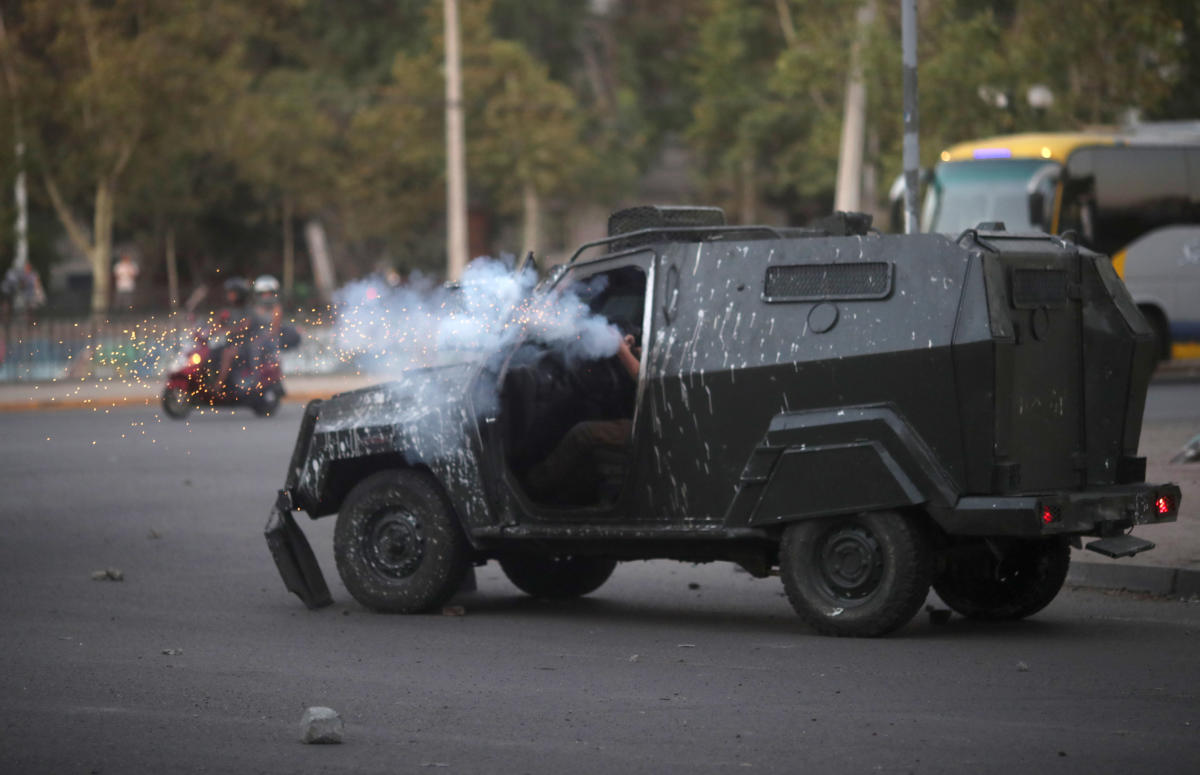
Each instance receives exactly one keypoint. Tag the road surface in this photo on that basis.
(200, 661)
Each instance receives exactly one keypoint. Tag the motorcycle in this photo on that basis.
(258, 385)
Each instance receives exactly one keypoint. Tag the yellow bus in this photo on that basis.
(1134, 196)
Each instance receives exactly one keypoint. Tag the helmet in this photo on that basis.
(266, 284)
(238, 289)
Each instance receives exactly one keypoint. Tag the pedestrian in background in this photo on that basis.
(22, 289)
(125, 273)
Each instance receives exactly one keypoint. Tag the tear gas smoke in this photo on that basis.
(391, 332)
(385, 330)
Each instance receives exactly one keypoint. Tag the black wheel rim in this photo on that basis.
(847, 565)
(394, 544)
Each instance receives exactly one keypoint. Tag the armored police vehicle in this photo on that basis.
(868, 415)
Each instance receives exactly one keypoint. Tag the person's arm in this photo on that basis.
(626, 356)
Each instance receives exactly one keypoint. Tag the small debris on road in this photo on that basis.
(1022, 667)
(321, 726)
(172, 652)
(1190, 453)
(454, 610)
(693, 585)
(686, 646)
(633, 658)
(108, 574)
(153, 534)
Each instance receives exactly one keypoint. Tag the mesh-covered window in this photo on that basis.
(815, 282)
(1036, 288)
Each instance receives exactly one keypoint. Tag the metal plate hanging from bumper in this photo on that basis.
(1120, 546)
(294, 557)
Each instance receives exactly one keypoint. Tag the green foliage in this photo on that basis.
(781, 103)
(213, 118)
(550, 30)
(979, 60)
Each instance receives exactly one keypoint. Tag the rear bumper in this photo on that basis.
(1101, 511)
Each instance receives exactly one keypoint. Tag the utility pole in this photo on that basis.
(848, 194)
(912, 145)
(456, 168)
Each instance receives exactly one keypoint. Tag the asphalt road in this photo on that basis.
(668, 668)
(1168, 401)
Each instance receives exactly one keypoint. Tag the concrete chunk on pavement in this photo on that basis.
(321, 725)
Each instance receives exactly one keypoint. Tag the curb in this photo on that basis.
(1191, 374)
(1149, 579)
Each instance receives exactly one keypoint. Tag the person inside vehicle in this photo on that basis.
(575, 469)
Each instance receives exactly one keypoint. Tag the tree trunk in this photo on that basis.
(22, 200)
(749, 180)
(785, 22)
(172, 271)
(532, 222)
(322, 265)
(100, 254)
(289, 248)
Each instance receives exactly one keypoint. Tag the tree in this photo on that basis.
(282, 136)
(525, 139)
(979, 60)
(98, 82)
(769, 80)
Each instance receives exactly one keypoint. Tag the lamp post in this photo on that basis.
(456, 172)
(912, 145)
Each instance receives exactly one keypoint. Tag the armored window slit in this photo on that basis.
(1037, 288)
(822, 282)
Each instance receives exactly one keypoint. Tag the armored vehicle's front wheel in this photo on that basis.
(397, 544)
(561, 577)
(1027, 577)
(859, 576)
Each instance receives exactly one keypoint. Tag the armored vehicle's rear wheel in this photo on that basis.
(559, 577)
(860, 576)
(397, 543)
(1023, 582)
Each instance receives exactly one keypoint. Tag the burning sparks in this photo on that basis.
(375, 327)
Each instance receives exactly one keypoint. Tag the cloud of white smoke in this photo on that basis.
(385, 330)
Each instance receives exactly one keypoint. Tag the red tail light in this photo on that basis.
(1048, 515)
(1164, 505)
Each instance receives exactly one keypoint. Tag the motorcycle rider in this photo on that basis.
(235, 322)
(267, 314)
(255, 328)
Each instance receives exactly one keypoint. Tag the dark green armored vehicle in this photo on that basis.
(869, 415)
